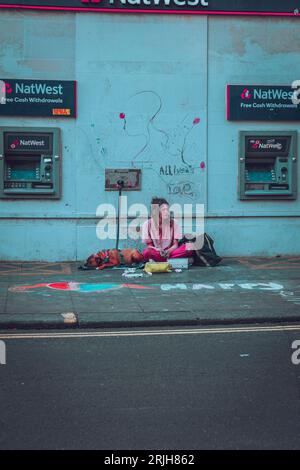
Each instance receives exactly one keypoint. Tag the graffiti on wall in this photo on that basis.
(182, 189)
(149, 125)
(175, 170)
(174, 138)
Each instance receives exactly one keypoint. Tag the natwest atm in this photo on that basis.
(30, 163)
(267, 165)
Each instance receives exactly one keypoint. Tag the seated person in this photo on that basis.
(161, 234)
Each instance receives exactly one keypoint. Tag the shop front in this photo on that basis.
(194, 101)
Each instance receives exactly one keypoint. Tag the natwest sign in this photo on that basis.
(14, 143)
(38, 88)
(161, 3)
(203, 3)
(209, 7)
(261, 103)
(37, 98)
(266, 145)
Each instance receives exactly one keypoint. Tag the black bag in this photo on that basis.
(205, 256)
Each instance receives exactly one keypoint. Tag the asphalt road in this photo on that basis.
(224, 388)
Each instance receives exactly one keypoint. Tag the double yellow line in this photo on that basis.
(149, 332)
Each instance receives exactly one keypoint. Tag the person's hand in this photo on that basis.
(164, 253)
(169, 252)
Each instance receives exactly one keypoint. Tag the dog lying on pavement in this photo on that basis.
(110, 258)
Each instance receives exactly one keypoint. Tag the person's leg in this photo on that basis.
(150, 253)
(181, 252)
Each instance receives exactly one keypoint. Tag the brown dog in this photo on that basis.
(108, 258)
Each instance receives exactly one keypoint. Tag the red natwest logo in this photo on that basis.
(15, 144)
(256, 144)
(246, 95)
(7, 88)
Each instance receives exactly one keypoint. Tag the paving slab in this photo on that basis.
(40, 302)
(98, 304)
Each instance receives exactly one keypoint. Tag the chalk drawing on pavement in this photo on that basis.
(76, 287)
(103, 287)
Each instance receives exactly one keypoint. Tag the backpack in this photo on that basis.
(205, 256)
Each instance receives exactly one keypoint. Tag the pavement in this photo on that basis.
(239, 290)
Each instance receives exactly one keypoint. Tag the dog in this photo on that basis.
(109, 258)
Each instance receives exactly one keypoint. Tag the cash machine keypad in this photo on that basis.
(12, 185)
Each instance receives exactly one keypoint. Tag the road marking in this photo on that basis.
(113, 334)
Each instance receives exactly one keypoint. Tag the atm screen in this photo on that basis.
(28, 171)
(261, 173)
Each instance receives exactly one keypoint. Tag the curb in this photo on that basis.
(37, 321)
(86, 321)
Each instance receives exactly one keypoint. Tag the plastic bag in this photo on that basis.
(157, 267)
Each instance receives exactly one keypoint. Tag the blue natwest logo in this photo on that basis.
(38, 89)
(272, 94)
